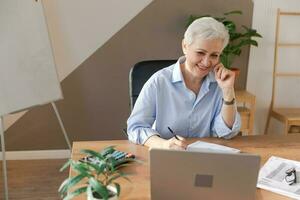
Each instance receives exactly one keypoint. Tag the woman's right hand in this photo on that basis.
(174, 143)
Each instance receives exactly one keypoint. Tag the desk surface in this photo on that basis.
(265, 145)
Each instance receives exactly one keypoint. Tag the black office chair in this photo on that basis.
(140, 73)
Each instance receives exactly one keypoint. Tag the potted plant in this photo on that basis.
(236, 39)
(97, 179)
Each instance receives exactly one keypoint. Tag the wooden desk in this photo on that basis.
(246, 107)
(286, 146)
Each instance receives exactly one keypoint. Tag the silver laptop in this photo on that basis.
(202, 175)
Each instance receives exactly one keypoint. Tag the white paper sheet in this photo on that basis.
(272, 177)
(206, 146)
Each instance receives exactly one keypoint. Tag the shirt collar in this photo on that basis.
(177, 74)
(210, 78)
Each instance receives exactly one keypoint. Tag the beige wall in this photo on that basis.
(262, 60)
(79, 28)
(96, 103)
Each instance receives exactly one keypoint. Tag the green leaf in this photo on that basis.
(67, 164)
(99, 187)
(89, 192)
(190, 20)
(98, 168)
(234, 36)
(247, 42)
(220, 19)
(118, 187)
(229, 25)
(111, 165)
(253, 42)
(249, 30)
(107, 151)
(123, 165)
(237, 51)
(223, 60)
(200, 16)
(92, 153)
(117, 175)
(257, 35)
(252, 34)
(122, 162)
(103, 165)
(70, 183)
(226, 60)
(81, 168)
(127, 179)
(63, 187)
(75, 193)
(110, 180)
(234, 12)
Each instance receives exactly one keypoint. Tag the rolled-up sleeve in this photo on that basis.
(140, 122)
(220, 129)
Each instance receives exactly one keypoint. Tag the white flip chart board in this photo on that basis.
(28, 74)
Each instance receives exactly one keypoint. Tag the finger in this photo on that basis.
(216, 69)
(176, 147)
(181, 138)
(219, 73)
(184, 141)
(224, 74)
(216, 73)
(181, 144)
(173, 140)
(169, 143)
(216, 66)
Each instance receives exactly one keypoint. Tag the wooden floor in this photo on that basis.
(33, 179)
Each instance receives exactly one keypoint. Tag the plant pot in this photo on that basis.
(237, 73)
(113, 191)
(115, 197)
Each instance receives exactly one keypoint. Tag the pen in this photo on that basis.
(173, 133)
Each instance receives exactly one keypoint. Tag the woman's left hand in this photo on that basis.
(225, 77)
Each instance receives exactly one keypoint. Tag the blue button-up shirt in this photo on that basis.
(165, 101)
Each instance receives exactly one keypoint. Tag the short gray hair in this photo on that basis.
(206, 28)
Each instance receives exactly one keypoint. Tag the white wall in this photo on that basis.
(77, 28)
(259, 81)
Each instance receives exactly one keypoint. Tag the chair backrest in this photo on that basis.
(140, 73)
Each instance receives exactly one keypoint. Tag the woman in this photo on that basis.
(192, 98)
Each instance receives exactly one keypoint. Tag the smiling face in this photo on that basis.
(201, 56)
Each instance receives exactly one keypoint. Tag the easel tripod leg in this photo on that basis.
(4, 169)
(61, 125)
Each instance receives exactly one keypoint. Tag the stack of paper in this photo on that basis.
(206, 146)
(272, 177)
